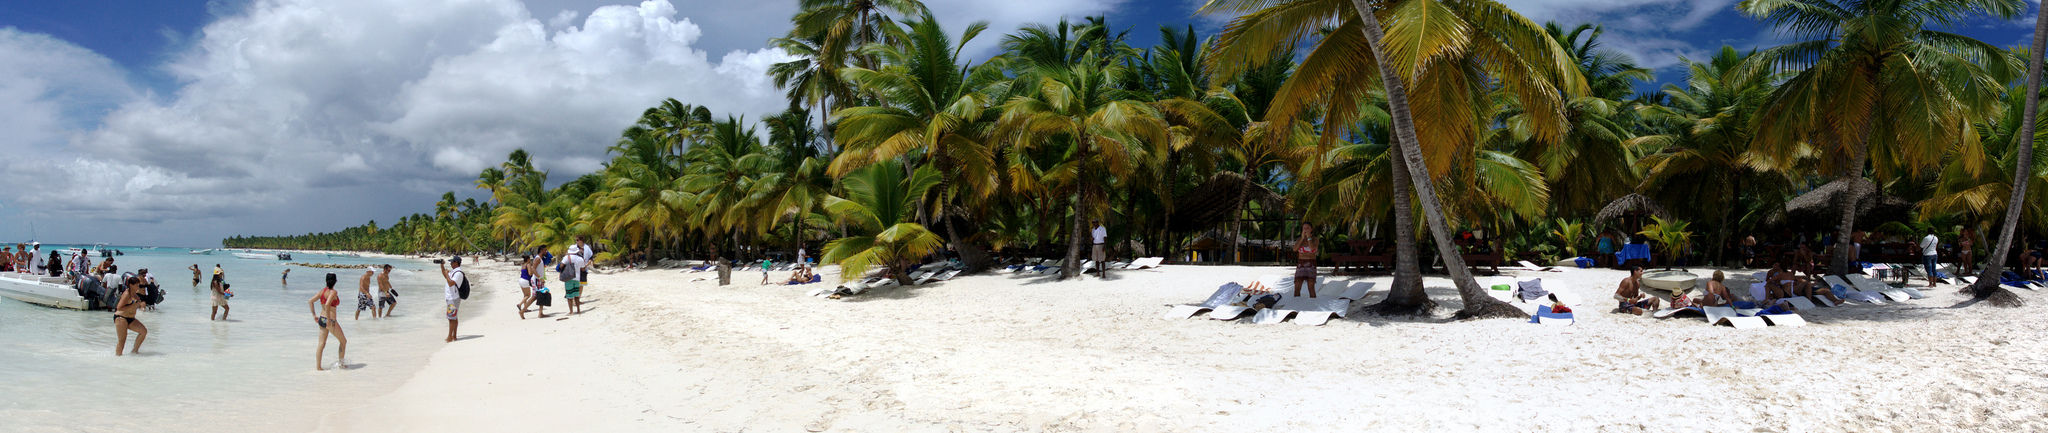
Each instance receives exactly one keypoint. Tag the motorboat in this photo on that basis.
(45, 291)
(263, 256)
(201, 252)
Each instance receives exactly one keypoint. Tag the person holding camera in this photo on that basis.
(455, 279)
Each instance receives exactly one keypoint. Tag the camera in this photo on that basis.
(437, 261)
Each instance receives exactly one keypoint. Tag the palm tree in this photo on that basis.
(842, 26)
(1105, 130)
(1986, 286)
(1870, 60)
(1452, 51)
(881, 201)
(795, 182)
(492, 179)
(722, 178)
(1701, 162)
(935, 112)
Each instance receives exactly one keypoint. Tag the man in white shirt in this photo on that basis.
(35, 259)
(455, 279)
(1101, 237)
(1930, 252)
(572, 276)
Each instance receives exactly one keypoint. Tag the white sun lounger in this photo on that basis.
(1224, 296)
(1145, 263)
(1527, 266)
(1799, 303)
(1846, 291)
(1866, 284)
(1786, 320)
(1728, 315)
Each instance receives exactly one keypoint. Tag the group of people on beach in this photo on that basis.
(573, 271)
(28, 258)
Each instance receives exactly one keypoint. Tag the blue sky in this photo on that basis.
(178, 123)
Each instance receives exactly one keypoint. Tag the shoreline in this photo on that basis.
(659, 350)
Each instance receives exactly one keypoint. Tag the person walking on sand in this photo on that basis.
(1305, 250)
(455, 279)
(572, 287)
(363, 300)
(525, 284)
(322, 307)
(1101, 237)
(1930, 253)
(387, 299)
(1966, 251)
(765, 264)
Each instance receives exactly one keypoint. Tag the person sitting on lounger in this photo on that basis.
(1633, 301)
(1814, 286)
(1780, 282)
(1716, 292)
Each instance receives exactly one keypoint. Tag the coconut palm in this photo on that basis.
(2023, 172)
(1701, 161)
(1451, 51)
(842, 26)
(1104, 131)
(936, 114)
(881, 203)
(721, 176)
(794, 182)
(1870, 60)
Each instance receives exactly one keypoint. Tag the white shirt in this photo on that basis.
(1930, 245)
(800, 256)
(35, 260)
(1101, 235)
(455, 278)
(584, 251)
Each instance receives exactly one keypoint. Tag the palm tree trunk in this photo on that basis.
(1987, 286)
(1847, 202)
(1071, 268)
(1477, 303)
(1237, 215)
(1406, 297)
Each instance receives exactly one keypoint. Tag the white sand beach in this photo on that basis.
(662, 350)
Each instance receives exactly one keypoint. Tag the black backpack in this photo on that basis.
(152, 294)
(462, 288)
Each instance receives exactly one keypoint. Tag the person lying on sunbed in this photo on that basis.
(801, 276)
(1813, 286)
(1631, 294)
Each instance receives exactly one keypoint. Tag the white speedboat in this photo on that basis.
(202, 252)
(257, 256)
(41, 290)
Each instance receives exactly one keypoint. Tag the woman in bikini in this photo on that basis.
(525, 285)
(124, 316)
(325, 302)
(1716, 292)
(1305, 261)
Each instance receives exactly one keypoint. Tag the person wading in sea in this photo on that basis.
(363, 300)
(386, 298)
(124, 316)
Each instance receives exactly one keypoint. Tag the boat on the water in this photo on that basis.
(201, 252)
(264, 256)
(42, 290)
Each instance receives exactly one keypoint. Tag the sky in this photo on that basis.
(180, 123)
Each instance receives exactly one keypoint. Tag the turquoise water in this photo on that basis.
(254, 372)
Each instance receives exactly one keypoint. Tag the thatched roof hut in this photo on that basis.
(1210, 204)
(1821, 208)
(1630, 205)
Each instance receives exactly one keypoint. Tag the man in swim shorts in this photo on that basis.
(363, 301)
(386, 299)
(454, 279)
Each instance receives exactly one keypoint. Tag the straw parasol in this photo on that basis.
(1630, 205)
(1820, 206)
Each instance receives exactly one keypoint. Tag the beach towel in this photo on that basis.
(1530, 290)
(1584, 263)
(1543, 316)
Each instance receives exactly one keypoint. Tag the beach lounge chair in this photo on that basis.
(1866, 284)
(1787, 320)
(1545, 317)
(1527, 266)
(937, 276)
(1799, 302)
(1145, 263)
(1224, 296)
(1717, 316)
(1849, 292)
(1318, 311)
(1233, 311)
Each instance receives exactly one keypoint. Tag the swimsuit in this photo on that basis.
(131, 320)
(363, 302)
(322, 321)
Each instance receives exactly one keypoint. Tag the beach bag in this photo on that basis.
(544, 299)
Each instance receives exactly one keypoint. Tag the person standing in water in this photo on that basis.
(286, 278)
(195, 274)
(386, 298)
(124, 316)
(322, 307)
(363, 301)
(454, 277)
(220, 297)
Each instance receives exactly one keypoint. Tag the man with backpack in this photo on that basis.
(458, 289)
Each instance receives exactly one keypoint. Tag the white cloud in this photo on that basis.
(290, 116)
(1639, 28)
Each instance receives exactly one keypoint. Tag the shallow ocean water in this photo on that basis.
(253, 372)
